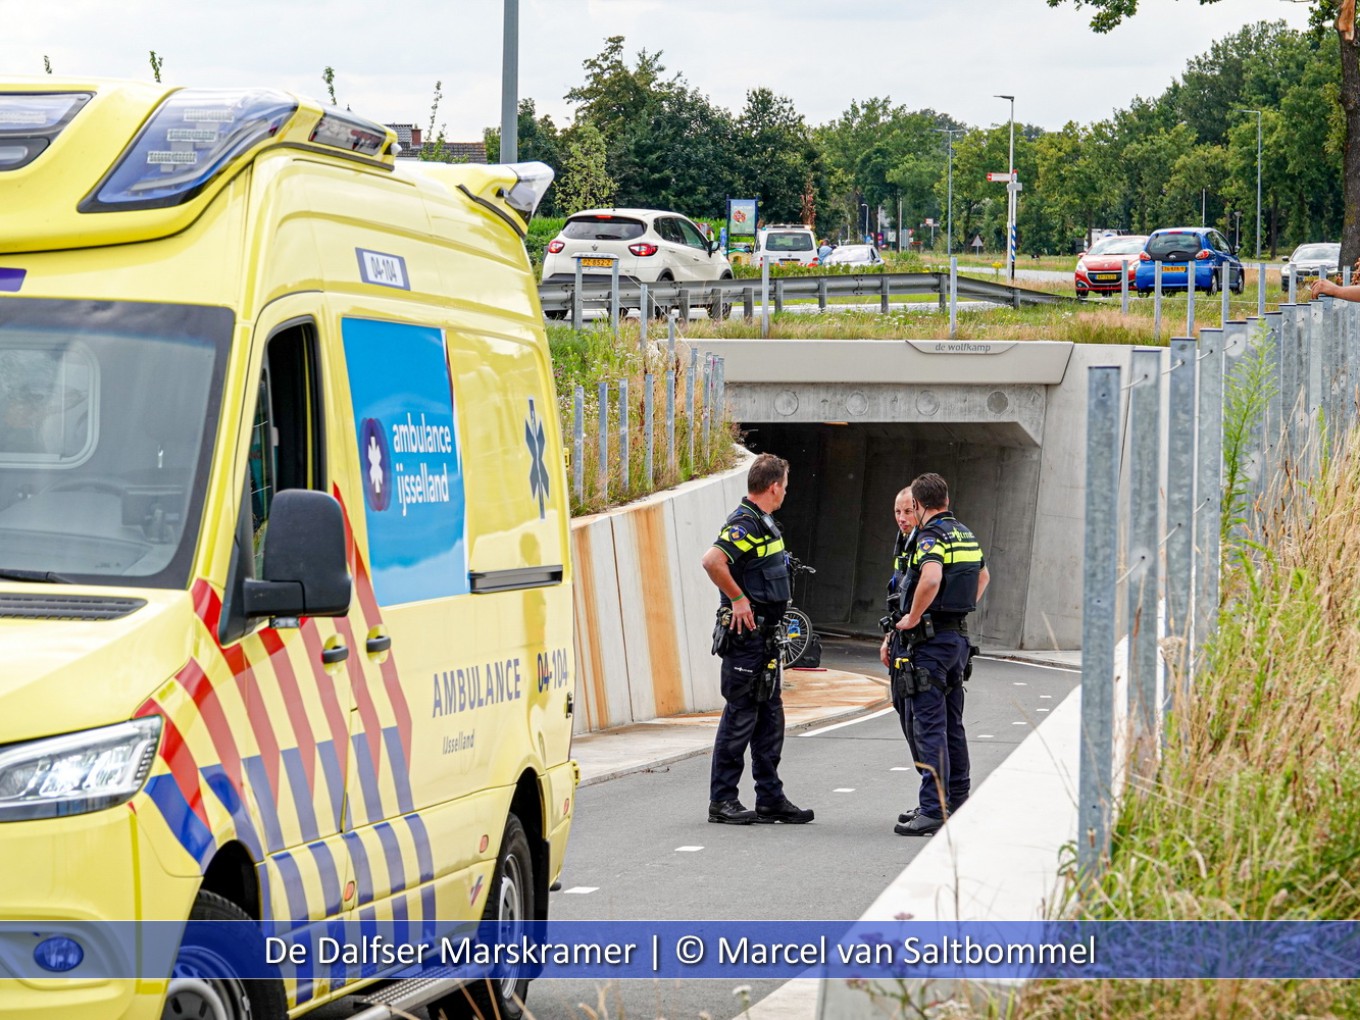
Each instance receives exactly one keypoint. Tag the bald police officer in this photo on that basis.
(750, 569)
(944, 580)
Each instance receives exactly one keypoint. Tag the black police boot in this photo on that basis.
(907, 816)
(731, 812)
(921, 825)
(784, 811)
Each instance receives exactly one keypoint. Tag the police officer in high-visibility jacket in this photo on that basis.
(945, 579)
(750, 569)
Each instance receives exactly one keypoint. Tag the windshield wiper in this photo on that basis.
(14, 574)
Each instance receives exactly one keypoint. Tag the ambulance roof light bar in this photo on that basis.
(192, 138)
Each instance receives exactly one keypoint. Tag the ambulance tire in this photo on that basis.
(197, 985)
(509, 902)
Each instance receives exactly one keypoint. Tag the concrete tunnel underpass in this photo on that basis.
(883, 412)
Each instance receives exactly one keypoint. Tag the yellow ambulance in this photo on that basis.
(285, 597)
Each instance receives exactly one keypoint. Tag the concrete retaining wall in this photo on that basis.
(644, 606)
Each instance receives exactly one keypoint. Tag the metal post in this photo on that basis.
(821, 294)
(1191, 273)
(647, 427)
(691, 380)
(614, 296)
(1225, 289)
(1144, 541)
(1260, 288)
(645, 314)
(765, 296)
(624, 473)
(578, 443)
(778, 296)
(1124, 286)
(748, 303)
(883, 298)
(1098, 618)
(953, 296)
(1235, 356)
(1289, 383)
(1180, 520)
(510, 84)
(1293, 285)
(1157, 300)
(670, 418)
(604, 441)
(708, 402)
(1208, 484)
(576, 311)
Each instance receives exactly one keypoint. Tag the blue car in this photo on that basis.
(1186, 250)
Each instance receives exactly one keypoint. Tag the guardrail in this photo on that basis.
(560, 299)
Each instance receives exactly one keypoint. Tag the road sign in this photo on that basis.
(998, 177)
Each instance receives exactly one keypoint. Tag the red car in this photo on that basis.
(1098, 269)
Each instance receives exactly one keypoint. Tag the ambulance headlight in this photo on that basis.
(78, 772)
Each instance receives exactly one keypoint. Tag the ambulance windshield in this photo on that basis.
(107, 416)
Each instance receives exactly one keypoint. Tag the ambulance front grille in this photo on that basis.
(66, 607)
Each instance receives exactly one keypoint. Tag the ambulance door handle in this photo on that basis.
(336, 653)
(378, 645)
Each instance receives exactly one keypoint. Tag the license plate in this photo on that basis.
(1102, 277)
(790, 262)
(597, 263)
(1173, 269)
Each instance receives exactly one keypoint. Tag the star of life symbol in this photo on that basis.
(375, 471)
(538, 473)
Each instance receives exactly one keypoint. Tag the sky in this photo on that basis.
(952, 56)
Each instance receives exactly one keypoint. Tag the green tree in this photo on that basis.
(47, 64)
(156, 64)
(585, 182)
(1108, 14)
(328, 76)
(774, 155)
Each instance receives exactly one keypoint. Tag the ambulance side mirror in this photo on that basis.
(305, 570)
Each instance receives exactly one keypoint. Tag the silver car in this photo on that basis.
(1313, 260)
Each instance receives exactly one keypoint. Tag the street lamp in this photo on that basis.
(1010, 196)
(510, 85)
(1258, 178)
(949, 134)
(865, 207)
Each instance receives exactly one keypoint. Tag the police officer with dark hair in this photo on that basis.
(945, 578)
(750, 569)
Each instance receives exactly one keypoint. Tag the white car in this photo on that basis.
(854, 255)
(650, 245)
(1314, 260)
(786, 245)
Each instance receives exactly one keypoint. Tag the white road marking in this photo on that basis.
(1031, 665)
(1046, 697)
(1041, 710)
(849, 722)
(985, 736)
(581, 890)
(687, 849)
(901, 768)
(1019, 683)
(1020, 722)
(844, 789)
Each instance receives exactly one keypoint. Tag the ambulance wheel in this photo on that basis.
(203, 982)
(510, 906)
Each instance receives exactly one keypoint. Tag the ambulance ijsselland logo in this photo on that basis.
(538, 474)
(377, 464)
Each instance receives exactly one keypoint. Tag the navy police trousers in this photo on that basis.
(941, 745)
(746, 722)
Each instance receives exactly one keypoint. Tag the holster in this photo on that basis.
(899, 666)
(769, 676)
(968, 666)
(722, 631)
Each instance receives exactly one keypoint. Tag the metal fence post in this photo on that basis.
(578, 443)
(1225, 289)
(1235, 357)
(614, 295)
(691, 380)
(1124, 286)
(604, 442)
(648, 381)
(884, 292)
(645, 311)
(1289, 383)
(1191, 278)
(764, 297)
(1208, 483)
(624, 467)
(576, 311)
(708, 402)
(670, 418)
(1157, 300)
(1260, 288)
(778, 295)
(1144, 548)
(821, 294)
(1180, 520)
(953, 296)
(1293, 285)
(1098, 617)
